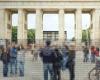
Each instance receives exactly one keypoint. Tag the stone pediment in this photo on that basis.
(49, 0)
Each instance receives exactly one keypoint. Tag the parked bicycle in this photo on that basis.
(94, 73)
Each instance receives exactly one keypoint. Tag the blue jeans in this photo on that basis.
(5, 69)
(13, 66)
(48, 67)
(64, 62)
(21, 68)
(86, 57)
(92, 58)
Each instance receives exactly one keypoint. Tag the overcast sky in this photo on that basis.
(50, 22)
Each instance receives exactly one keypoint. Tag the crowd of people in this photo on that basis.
(13, 58)
(90, 53)
(55, 59)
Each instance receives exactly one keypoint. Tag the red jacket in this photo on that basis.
(96, 53)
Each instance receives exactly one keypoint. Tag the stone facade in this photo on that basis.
(23, 7)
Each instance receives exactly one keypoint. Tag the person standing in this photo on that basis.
(35, 53)
(13, 60)
(93, 49)
(65, 51)
(21, 60)
(5, 57)
(47, 56)
(86, 53)
(57, 64)
(71, 62)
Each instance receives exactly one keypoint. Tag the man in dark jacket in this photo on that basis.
(47, 56)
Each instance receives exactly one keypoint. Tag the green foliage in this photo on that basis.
(30, 35)
(14, 33)
(86, 36)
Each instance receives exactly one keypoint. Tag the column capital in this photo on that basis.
(61, 10)
(39, 10)
(78, 10)
(21, 9)
(97, 10)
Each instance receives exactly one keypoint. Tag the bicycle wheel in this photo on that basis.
(98, 75)
(92, 74)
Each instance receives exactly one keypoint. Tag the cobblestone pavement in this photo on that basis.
(33, 69)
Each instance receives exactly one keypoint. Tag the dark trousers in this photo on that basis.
(57, 72)
(5, 69)
(72, 71)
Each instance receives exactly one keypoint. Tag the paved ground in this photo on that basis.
(33, 70)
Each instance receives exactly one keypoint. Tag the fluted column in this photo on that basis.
(5, 25)
(78, 27)
(22, 27)
(8, 25)
(95, 36)
(2, 24)
(61, 26)
(39, 26)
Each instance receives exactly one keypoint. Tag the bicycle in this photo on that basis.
(94, 74)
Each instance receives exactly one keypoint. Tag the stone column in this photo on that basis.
(39, 27)
(5, 25)
(61, 27)
(78, 27)
(22, 27)
(2, 24)
(8, 25)
(95, 37)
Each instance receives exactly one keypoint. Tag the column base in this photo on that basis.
(78, 45)
(23, 42)
(39, 42)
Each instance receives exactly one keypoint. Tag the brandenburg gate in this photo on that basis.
(39, 7)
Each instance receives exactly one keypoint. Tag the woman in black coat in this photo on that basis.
(5, 57)
(57, 64)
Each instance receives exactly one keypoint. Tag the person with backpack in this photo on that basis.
(57, 64)
(5, 57)
(13, 60)
(48, 57)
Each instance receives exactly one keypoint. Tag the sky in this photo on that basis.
(50, 22)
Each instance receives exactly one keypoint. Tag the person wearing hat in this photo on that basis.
(48, 57)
